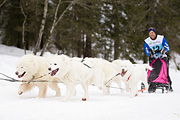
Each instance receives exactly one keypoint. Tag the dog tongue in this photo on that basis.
(123, 73)
(53, 72)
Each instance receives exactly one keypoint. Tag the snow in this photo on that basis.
(116, 106)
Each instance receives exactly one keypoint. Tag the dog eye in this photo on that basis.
(21, 67)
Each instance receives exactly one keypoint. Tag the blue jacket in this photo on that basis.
(158, 44)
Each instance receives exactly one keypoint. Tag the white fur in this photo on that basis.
(104, 73)
(34, 67)
(71, 72)
(135, 73)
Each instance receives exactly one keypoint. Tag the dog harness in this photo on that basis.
(128, 78)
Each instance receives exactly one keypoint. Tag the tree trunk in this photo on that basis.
(145, 58)
(42, 27)
(55, 22)
(23, 27)
(88, 46)
(116, 49)
(79, 49)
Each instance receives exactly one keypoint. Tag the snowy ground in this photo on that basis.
(116, 106)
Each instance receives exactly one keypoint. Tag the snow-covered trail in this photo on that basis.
(116, 106)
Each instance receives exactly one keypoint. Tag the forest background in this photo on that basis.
(109, 29)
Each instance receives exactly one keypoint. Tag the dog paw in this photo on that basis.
(20, 92)
(83, 99)
(134, 95)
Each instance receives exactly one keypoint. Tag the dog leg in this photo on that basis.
(144, 80)
(128, 89)
(134, 90)
(70, 91)
(42, 91)
(86, 94)
(55, 87)
(106, 90)
(118, 82)
(24, 87)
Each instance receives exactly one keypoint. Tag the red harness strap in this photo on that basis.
(128, 78)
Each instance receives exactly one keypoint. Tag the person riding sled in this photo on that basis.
(156, 47)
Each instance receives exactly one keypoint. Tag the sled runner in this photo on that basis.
(157, 78)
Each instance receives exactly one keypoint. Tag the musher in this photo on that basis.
(155, 47)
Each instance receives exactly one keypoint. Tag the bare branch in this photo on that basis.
(3, 3)
(23, 26)
(63, 14)
(140, 20)
(55, 15)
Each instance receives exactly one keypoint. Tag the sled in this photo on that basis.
(157, 78)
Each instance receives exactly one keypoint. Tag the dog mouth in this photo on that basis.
(54, 72)
(123, 72)
(20, 76)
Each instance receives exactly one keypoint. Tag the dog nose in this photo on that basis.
(123, 70)
(49, 69)
(16, 73)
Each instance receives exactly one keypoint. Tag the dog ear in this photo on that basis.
(28, 59)
(34, 62)
(64, 58)
(35, 65)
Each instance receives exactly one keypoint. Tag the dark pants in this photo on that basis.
(166, 59)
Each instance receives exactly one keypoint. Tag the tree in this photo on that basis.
(55, 22)
(23, 27)
(107, 29)
(162, 15)
(74, 33)
(41, 31)
(12, 24)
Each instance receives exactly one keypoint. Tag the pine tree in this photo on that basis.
(12, 26)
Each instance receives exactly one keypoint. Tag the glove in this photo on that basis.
(152, 52)
(163, 51)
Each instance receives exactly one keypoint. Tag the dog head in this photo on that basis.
(125, 67)
(27, 67)
(58, 63)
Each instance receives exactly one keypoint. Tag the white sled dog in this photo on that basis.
(71, 72)
(103, 72)
(30, 68)
(132, 74)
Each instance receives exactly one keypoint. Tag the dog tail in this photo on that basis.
(146, 66)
